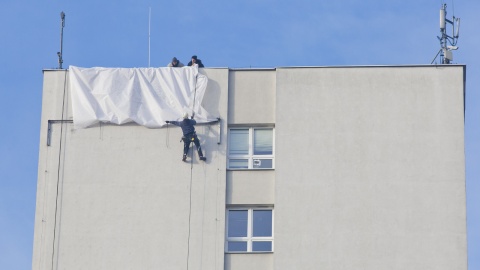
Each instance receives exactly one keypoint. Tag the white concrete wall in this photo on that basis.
(370, 169)
(125, 199)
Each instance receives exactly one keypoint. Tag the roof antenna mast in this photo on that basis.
(60, 53)
(447, 43)
(149, 18)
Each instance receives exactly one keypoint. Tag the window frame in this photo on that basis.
(250, 157)
(249, 238)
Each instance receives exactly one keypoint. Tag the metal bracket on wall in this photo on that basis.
(49, 131)
(219, 137)
(50, 122)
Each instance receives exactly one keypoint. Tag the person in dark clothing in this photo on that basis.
(175, 63)
(189, 135)
(196, 61)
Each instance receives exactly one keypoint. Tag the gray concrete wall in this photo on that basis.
(251, 97)
(369, 174)
(54, 84)
(125, 200)
(251, 102)
(251, 187)
(251, 261)
(370, 169)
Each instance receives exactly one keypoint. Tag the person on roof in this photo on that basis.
(189, 135)
(175, 63)
(195, 61)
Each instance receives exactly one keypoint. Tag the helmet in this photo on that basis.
(185, 115)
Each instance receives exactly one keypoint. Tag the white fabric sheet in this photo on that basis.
(147, 96)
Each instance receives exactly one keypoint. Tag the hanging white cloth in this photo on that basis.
(146, 96)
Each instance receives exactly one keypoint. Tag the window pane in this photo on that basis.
(238, 163)
(238, 142)
(237, 223)
(262, 163)
(262, 223)
(237, 246)
(262, 246)
(263, 142)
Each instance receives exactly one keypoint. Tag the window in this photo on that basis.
(251, 148)
(249, 230)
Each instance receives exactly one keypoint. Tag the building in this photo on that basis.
(358, 167)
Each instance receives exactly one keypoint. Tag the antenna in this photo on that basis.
(149, 16)
(60, 53)
(447, 43)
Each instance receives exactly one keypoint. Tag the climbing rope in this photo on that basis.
(59, 168)
(190, 201)
(194, 95)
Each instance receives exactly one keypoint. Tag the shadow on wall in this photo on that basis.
(211, 99)
(210, 103)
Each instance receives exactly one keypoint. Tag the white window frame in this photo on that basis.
(250, 156)
(249, 238)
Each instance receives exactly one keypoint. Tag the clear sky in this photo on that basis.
(236, 34)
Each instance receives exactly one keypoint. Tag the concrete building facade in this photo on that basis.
(362, 168)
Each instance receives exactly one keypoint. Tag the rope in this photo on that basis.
(203, 212)
(192, 153)
(194, 95)
(190, 202)
(167, 139)
(58, 168)
(191, 176)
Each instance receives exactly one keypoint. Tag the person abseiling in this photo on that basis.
(189, 135)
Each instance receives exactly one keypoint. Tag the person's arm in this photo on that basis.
(173, 123)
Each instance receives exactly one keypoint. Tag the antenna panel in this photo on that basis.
(442, 18)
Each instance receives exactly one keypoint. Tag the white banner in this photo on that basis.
(146, 96)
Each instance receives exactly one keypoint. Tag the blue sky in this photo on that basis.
(236, 34)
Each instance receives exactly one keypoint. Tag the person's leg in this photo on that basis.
(199, 148)
(186, 146)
